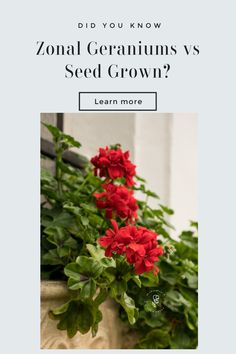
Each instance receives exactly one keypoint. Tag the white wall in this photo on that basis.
(101, 129)
(183, 181)
(152, 152)
(162, 145)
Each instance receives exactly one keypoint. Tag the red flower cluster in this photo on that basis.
(117, 200)
(139, 245)
(114, 163)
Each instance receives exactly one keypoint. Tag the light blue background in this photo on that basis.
(31, 85)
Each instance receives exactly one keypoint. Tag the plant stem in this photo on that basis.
(58, 169)
(83, 184)
(146, 203)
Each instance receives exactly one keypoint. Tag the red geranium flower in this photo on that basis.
(144, 257)
(117, 200)
(114, 163)
(144, 251)
(139, 245)
(115, 240)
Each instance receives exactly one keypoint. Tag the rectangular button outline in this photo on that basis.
(118, 110)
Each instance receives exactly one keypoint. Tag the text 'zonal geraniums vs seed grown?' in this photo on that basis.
(108, 258)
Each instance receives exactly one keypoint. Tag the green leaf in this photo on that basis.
(98, 318)
(154, 319)
(70, 141)
(74, 284)
(66, 168)
(192, 279)
(168, 273)
(118, 287)
(189, 240)
(59, 237)
(95, 220)
(140, 179)
(122, 266)
(175, 301)
(136, 280)
(129, 306)
(149, 279)
(88, 289)
(155, 339)
(95, 251)
(61, 309)
(189, 294)
(194, 224)
(99, 254)
(64, 138)
(162, 231)
(167, 210)
(180, 339)
(101, 297)
(109, 274)
(191, 318)
(89, 207)
(89, 266)
(73, 270)
(108, 262)
(56, 218)
(47, 178)
(158, 212)
(84, 220)
(73, 209)
(186, 252)
(51, 258)
(56, 133)
(78, 317)
(151, 194)
(63, 251)
(149, 306)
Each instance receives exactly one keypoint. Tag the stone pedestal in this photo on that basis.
(109, 335)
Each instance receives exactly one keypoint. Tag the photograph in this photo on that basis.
(119, 230)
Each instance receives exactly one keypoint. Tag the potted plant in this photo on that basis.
(100, 245)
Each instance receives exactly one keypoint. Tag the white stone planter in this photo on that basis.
(109, 335)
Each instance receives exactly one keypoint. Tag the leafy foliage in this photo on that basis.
(161, 309)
